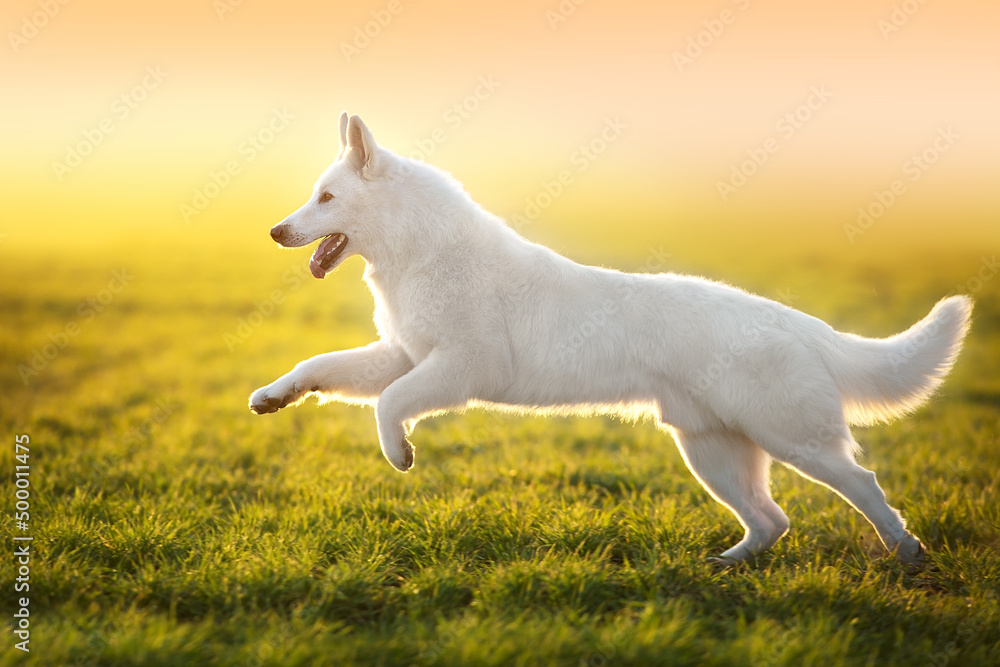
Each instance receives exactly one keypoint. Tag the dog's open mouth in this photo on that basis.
(326, 254)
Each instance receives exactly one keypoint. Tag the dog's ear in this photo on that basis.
(343, 133)
(361, 143)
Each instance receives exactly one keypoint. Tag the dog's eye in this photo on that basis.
(325, 197)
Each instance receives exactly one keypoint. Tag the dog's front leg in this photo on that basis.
(442, 381)
(357, 375)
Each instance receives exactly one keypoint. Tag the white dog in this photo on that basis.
(470, 313)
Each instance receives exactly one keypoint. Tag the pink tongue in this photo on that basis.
(326, 254)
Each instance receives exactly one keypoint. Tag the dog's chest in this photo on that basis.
(437, 304)
(410, 317)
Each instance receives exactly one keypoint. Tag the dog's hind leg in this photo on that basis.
(735, 471)
(356, 376)
(834, 466)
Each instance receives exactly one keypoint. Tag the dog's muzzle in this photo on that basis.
(278, 233)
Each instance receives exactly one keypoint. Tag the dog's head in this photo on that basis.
(341, 202)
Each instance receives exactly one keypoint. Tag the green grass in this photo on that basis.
(173, 527)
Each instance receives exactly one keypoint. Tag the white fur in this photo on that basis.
(470, 313)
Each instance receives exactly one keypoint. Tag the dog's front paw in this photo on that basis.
(401, 457)
(262, 403)
(407, 454)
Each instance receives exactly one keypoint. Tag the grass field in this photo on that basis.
(173, 527)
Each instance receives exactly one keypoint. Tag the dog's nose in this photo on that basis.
(277, 232)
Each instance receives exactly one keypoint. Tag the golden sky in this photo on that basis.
(686, 118)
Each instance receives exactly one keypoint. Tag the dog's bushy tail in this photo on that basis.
(883, 378)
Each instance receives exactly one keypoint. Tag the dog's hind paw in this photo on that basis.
(722, 562)
(911, 551)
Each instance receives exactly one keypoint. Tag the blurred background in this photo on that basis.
(117, 115)
(842, 158)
